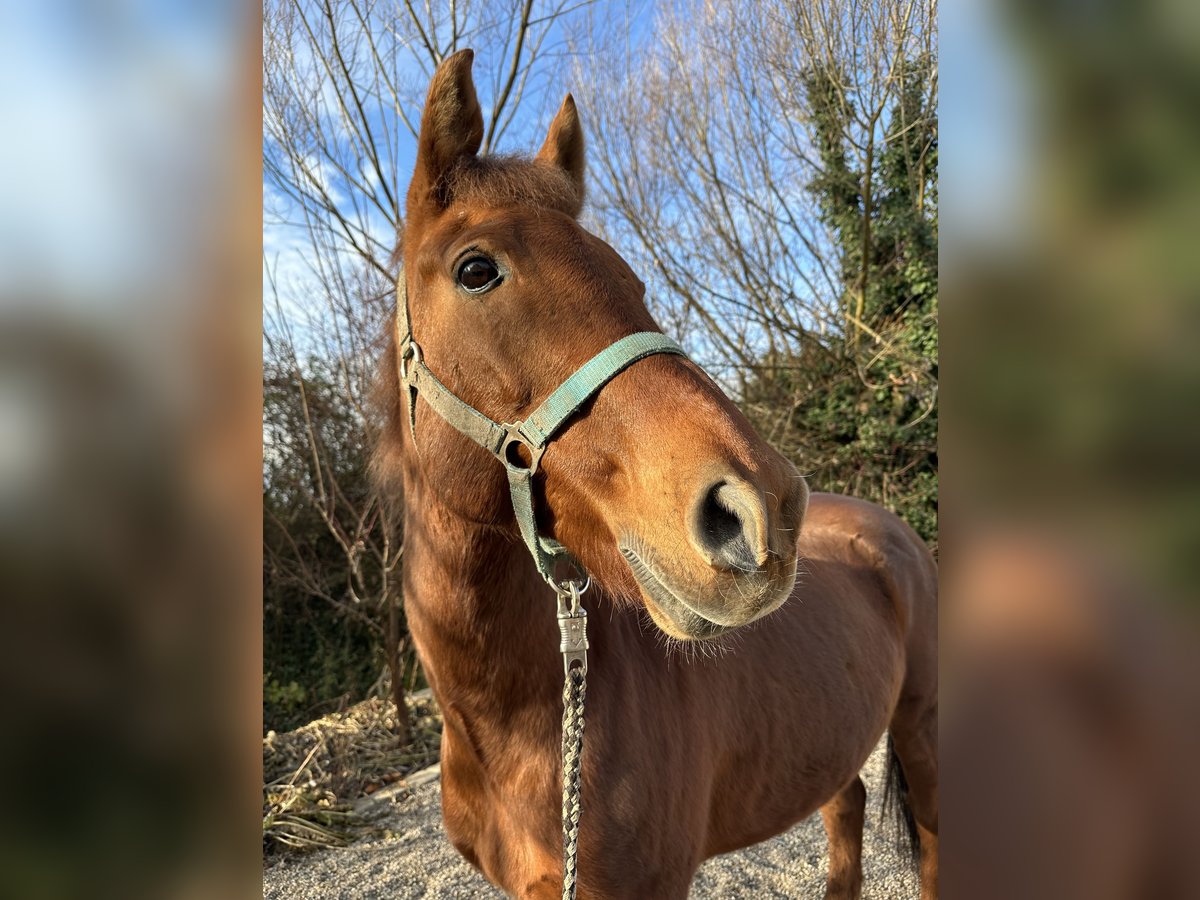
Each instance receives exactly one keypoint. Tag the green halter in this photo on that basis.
(533, 433)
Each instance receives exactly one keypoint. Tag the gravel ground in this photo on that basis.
(413, 858)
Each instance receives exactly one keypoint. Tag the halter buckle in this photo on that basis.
(410, 352)
(572, 626)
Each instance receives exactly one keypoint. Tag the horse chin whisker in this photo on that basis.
(696, 651)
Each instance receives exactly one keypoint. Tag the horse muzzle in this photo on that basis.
(737, 564)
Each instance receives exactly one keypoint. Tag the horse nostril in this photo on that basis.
(724, 527)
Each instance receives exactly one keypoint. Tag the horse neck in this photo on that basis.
(478, 611)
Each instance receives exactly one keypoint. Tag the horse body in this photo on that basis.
(727, 697)
(688, 755)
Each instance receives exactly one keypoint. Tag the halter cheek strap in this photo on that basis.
(534, 433)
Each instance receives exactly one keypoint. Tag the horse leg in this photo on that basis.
(914, 733)
(843, 817)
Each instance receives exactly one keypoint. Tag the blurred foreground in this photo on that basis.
(1071, 497)
(130, 464)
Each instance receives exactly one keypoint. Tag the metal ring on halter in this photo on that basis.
(565, 586)
(513, 439)
(411, 353)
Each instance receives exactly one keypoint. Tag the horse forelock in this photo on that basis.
(499, 182)
(505, 181)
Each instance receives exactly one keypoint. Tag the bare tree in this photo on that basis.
(704, 148)
(344, 83)
(738, 156)
(316, 435)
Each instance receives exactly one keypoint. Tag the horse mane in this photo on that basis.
(386, 472)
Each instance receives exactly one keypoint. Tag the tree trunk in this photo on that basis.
(396, 669)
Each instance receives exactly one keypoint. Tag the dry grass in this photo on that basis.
(313, 775)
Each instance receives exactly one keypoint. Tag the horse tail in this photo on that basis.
(896, 806)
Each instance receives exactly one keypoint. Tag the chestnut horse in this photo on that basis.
(701, 739)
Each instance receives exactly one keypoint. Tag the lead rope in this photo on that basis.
(572, 623)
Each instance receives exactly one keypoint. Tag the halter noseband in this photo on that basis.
(534, 433)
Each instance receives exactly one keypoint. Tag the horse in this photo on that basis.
(750, 642)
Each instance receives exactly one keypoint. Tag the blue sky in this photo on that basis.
(986, 113)
(985, 108)
(286, 252)
(112, 116)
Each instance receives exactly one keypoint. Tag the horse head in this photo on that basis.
(658, 485)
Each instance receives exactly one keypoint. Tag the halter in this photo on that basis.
(534, 433)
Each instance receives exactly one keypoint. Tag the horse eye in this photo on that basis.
(478, 274)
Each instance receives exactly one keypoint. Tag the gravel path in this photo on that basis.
(413, 858)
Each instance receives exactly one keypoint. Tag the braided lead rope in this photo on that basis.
(572, 624)
(574, 693)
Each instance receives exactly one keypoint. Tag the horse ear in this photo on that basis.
(564, 145)
(451, 128)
